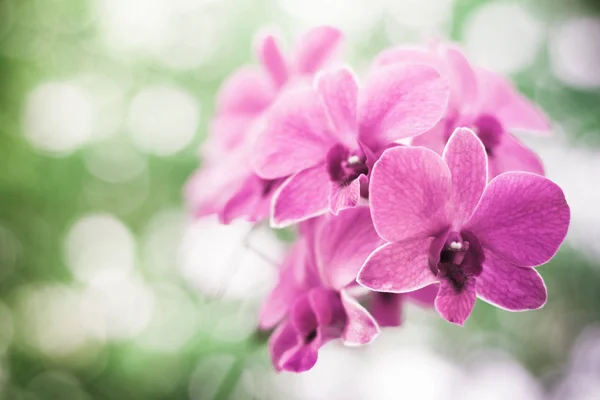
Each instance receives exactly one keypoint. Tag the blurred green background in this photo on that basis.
(108, 291)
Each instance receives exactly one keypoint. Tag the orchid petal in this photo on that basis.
(521, 217)
(409, 188)
(510, 287)
(343, 243)
(400, 101)
(512, 155)
(300, 197)
(398, 267)
(425, 296)
(273, 60)
(339, 92)
(455, 306)
(361, 328)
(386, 308)
(288, 288)
(296, 135)
(246, 91)
(344, 197)
(465, 156)
(512, 109)
(315, 48)
(283, 339)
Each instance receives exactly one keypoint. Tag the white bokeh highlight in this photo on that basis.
(98, 246)
(173, 321)
(58, 117)
(215, 260)
(351, 16)
(162, 119)
(503, 36)
(115, 162)
(575, 53)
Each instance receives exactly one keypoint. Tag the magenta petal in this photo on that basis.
(514, 111)
(522, 114)
(228, 132)
(296, 135)
(343, 243)
(455, 306)
(301, 196)
(510, 287)
(246, 91)
(361, 328)
(247, 202)
(400, 101)
(299, 359)
(339, 92)
(406, 54)
(281, 342)
(512, 155)
(465, 156)
(288, 288)
(434, 139)
(210, 188)
(386, 308)
(425, 296)
(273, 60)
(326, 307)
(521, 217)
(398, 267)
(315, 48)
(461, 77)
(409, 189)
(343, 197)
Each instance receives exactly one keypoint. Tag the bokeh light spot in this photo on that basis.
(503, 36)
(58, 117)
(163, 120)
(575, 53)
(217, 262)
(99, 245)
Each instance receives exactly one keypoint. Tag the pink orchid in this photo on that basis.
(480, 100)
(325, 136)
(226, 185)
(444, 224)
(311, 302)
(251, 90)
(386, 308)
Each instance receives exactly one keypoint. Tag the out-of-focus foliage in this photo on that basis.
(107, 291)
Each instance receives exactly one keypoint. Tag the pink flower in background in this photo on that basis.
(462, 212)
(325, 136)
(311, 302)
(226, 184)
(480, 100)
(251, 90)
(445, 225)
(386, 308)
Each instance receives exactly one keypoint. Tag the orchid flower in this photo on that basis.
(444, 224)
(326, 136)
(310, 302)
(225, 185)
(480, 100)
(386, 308)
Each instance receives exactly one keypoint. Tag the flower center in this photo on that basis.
(460, 259)
(310, 336)
(344, 165)
(490, 131)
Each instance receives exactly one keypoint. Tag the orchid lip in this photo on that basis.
(345, 165)
(490, 132)
(459, 259)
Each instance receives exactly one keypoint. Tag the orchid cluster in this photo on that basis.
(407, 186)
